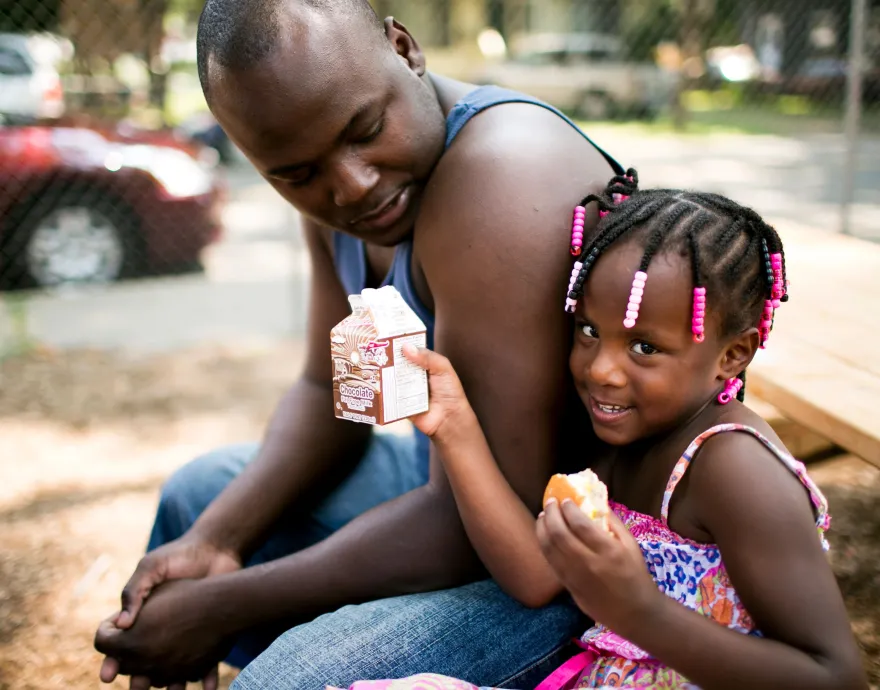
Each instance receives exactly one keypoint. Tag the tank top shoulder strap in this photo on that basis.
(486, 97)
(820, 505)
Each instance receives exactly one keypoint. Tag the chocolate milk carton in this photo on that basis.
(373, 382)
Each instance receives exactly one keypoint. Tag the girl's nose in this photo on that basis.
(605, 369)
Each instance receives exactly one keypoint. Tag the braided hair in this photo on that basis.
(737, 259)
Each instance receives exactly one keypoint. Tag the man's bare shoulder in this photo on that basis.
(524, 133)
(508, 184)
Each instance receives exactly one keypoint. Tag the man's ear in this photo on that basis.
(738, 354)
(406, 47)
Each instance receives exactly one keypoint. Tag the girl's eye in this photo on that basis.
(589, 331)
(373, 133)
(643, 348)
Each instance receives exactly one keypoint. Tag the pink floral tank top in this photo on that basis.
(689, 572)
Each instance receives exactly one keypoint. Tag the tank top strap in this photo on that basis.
(486, 97)
(797, 468)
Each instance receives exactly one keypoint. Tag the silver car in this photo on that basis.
(584, 73)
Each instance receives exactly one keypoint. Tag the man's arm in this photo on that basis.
(305, 449)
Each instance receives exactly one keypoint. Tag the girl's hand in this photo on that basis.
(447, 399)
(605, 573)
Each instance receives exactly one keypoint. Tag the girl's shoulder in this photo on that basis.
(740, 470)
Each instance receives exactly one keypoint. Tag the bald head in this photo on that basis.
(239, 34)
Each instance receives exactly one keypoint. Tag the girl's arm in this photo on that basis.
(762, 521)
(498, 523)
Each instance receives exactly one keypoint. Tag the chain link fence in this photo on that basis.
(111, 168)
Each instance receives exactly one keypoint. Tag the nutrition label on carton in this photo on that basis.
(405, 384)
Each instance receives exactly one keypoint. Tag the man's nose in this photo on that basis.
(353, 181)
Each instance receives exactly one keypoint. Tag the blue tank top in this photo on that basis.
(350, 253)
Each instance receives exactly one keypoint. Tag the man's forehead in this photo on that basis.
(308, 78)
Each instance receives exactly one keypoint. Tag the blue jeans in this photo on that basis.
(475, 632)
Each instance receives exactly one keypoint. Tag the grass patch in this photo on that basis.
(18, 341)
(729, 111)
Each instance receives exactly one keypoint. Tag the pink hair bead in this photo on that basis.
(577, 230)
(636, 292)
(731, 389)
(699, 314)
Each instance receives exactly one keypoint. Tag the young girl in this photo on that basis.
(713, 574)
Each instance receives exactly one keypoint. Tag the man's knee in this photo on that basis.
(190, 490)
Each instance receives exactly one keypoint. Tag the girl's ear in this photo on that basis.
(738, 354)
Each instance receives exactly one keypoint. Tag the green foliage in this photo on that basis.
(29, 15)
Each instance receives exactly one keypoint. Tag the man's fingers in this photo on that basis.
(139, 683)
(149, 574)
(108, 636)
(212, 680)
(109, 670)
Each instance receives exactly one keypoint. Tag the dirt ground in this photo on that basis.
(86, 439)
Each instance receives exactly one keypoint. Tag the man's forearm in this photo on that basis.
(413, 543)
(303, 449)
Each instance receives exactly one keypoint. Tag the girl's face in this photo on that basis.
(641, 381)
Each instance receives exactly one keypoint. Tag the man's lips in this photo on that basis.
(379, 210)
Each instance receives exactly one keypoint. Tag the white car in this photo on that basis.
(582, 73)
(30, 86)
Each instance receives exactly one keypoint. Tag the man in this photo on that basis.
(411, 178)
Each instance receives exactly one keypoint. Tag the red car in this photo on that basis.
(80, 205)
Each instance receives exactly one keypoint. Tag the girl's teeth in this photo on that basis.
(611, 408)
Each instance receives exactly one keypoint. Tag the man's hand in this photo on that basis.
(184, 558)
(174, 639)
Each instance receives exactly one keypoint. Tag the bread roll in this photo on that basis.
(585, 489)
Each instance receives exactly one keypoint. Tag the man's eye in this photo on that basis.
(373, 133)
(642, 348)
(300, 178)
(589, 331)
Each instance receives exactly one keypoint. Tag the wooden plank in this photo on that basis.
(820, 367)
(835, 294)
(826, 394)
(800, 440)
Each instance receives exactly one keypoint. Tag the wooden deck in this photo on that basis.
(821, 367)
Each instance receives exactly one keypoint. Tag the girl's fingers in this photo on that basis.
(428, 360)
(558, 533)
(590, 532)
